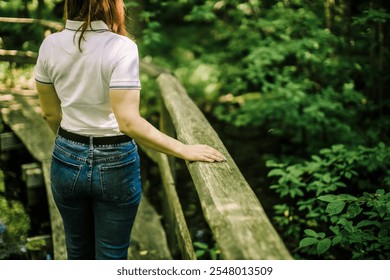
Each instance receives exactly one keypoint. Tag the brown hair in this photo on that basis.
(111, 12)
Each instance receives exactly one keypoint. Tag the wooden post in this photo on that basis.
(9, 141)
(32, 175)
(178, 235)
(167, 127)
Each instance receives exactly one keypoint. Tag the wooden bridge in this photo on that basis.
(234, 214)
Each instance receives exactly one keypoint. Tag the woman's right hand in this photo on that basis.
(203, 153)
(125, 105)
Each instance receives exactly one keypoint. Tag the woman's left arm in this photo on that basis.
(50, 105)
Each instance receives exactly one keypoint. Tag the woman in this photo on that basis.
(87, 77)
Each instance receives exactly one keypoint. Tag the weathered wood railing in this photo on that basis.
(237, 220)
(234, 214)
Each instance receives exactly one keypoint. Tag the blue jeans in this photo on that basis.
(97, 190)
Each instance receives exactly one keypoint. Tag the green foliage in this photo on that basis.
(27, 8)
(372, 16)
(151, 34)
(21, 36)
(359, 225)
(150, 104)
(204, 251)
(276, 68)
(21, 77)
(36, 245)
(319, 214)
(14, 226)
(304, 89)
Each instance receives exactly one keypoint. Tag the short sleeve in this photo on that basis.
(125, 74)
(41, 75)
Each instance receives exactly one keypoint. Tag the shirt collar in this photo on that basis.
(98, 25)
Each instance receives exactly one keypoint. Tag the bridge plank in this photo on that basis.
(20, 112)
(232, 210)
(148, 240)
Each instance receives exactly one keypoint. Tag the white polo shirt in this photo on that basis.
(83, 79)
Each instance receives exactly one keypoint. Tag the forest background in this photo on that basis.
(296, 89)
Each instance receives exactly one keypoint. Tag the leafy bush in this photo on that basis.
(329, 199)
(359, 225)
(204, 251)
(14, 226)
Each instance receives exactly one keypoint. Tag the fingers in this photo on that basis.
(212, 155)
(203, 153)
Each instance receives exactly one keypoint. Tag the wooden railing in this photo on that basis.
(234, 214)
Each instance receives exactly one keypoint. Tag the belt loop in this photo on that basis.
(90, 141)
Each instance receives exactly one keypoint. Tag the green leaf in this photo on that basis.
(213, 255)
(316, 158)
(371, 215)
(353, 210)
(348, 225)
(201, 245)
(276, 172)
(307, 242)
(323, 246)
(335, 229)
(336, 240)
(321, 235)
(311, 233)
(271, 163)
(346, 197)
(327, 178)
(200, 253)
(366, 223)
(380, 192)
(335, 207)
(327, 198)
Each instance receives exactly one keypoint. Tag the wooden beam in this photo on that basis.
(177, 229)
(32, 175)
(20, 113)
(232, 210)
(54, 25)
(9, 141)
(19, 57)
(151, 69)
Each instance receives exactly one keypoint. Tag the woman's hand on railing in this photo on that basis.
(203, 153)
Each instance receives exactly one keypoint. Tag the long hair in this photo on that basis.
(112, 12)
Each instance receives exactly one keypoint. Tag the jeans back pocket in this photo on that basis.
(64, 176)
(120, 181)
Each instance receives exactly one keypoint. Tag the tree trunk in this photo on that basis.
(377, 50)
(329, 6)
(41, 6)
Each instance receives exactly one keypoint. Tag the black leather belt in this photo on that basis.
(105, 140)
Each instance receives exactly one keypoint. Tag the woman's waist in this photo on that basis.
(98, 137)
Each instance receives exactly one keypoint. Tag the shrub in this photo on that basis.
(329, 206)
